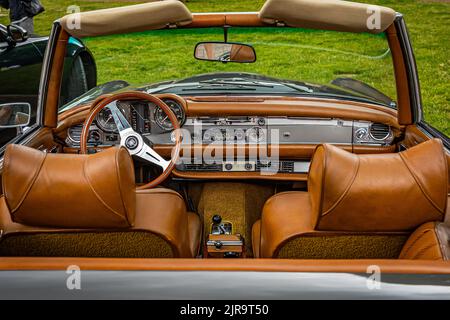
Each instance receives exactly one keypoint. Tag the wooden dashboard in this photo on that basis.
(287, 114)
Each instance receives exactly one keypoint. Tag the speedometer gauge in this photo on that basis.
(162, 119)
(105, 121)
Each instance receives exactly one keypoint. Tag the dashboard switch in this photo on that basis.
(94, 136)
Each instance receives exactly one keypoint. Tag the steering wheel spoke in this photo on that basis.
(152, 156)
(121, 122)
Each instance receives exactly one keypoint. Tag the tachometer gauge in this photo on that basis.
(162, 119)
(105, 121)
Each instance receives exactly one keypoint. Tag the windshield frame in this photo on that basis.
(409, 103)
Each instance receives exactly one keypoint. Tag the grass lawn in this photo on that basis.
(288, 54)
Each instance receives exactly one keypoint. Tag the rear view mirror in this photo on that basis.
(17, 34)
(14, 115)
(225, 52)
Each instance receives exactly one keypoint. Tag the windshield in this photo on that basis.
(289, 61)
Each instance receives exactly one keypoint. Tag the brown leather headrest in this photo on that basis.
(69, 191)
(384, 192)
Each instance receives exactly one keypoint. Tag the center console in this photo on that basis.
(221, 242)
(229, 210)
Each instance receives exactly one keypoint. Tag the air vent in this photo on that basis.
(74, 133)
(379, 131)
(287, 167)
(283, 166)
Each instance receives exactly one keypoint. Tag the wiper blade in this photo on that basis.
(298, 87)
(237, 82)
(219, 87)
(256, 83)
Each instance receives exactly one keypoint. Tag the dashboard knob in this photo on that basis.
(360, 133)
(228, 166)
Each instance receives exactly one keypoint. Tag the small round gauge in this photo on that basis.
(255, 135)
(162, 119)
(105, 121)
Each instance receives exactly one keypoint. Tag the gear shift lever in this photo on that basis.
(218, 227)
(216, 219)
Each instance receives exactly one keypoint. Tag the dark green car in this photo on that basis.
(21, 64)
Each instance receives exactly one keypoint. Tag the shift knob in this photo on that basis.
(216, 219)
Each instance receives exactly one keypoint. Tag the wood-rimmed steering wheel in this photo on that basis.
(131, 139)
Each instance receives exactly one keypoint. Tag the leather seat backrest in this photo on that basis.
(69, 191)
(385, 192)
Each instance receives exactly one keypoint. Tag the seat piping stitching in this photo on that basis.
(339, 200)
(422, 189)
(97, 196)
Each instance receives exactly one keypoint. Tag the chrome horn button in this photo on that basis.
(131, 142)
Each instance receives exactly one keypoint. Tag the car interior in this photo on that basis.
(122, 176)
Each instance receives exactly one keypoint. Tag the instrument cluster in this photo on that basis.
(144, 117)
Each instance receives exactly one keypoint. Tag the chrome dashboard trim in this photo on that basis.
(274, 130)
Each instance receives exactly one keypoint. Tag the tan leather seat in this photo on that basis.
(429, 242)
(87, 205)
(357, 206)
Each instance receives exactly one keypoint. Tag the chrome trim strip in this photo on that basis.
(225, 242)
(308, 121)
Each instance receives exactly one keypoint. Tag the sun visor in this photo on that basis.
(135, 18)
(328, 15)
